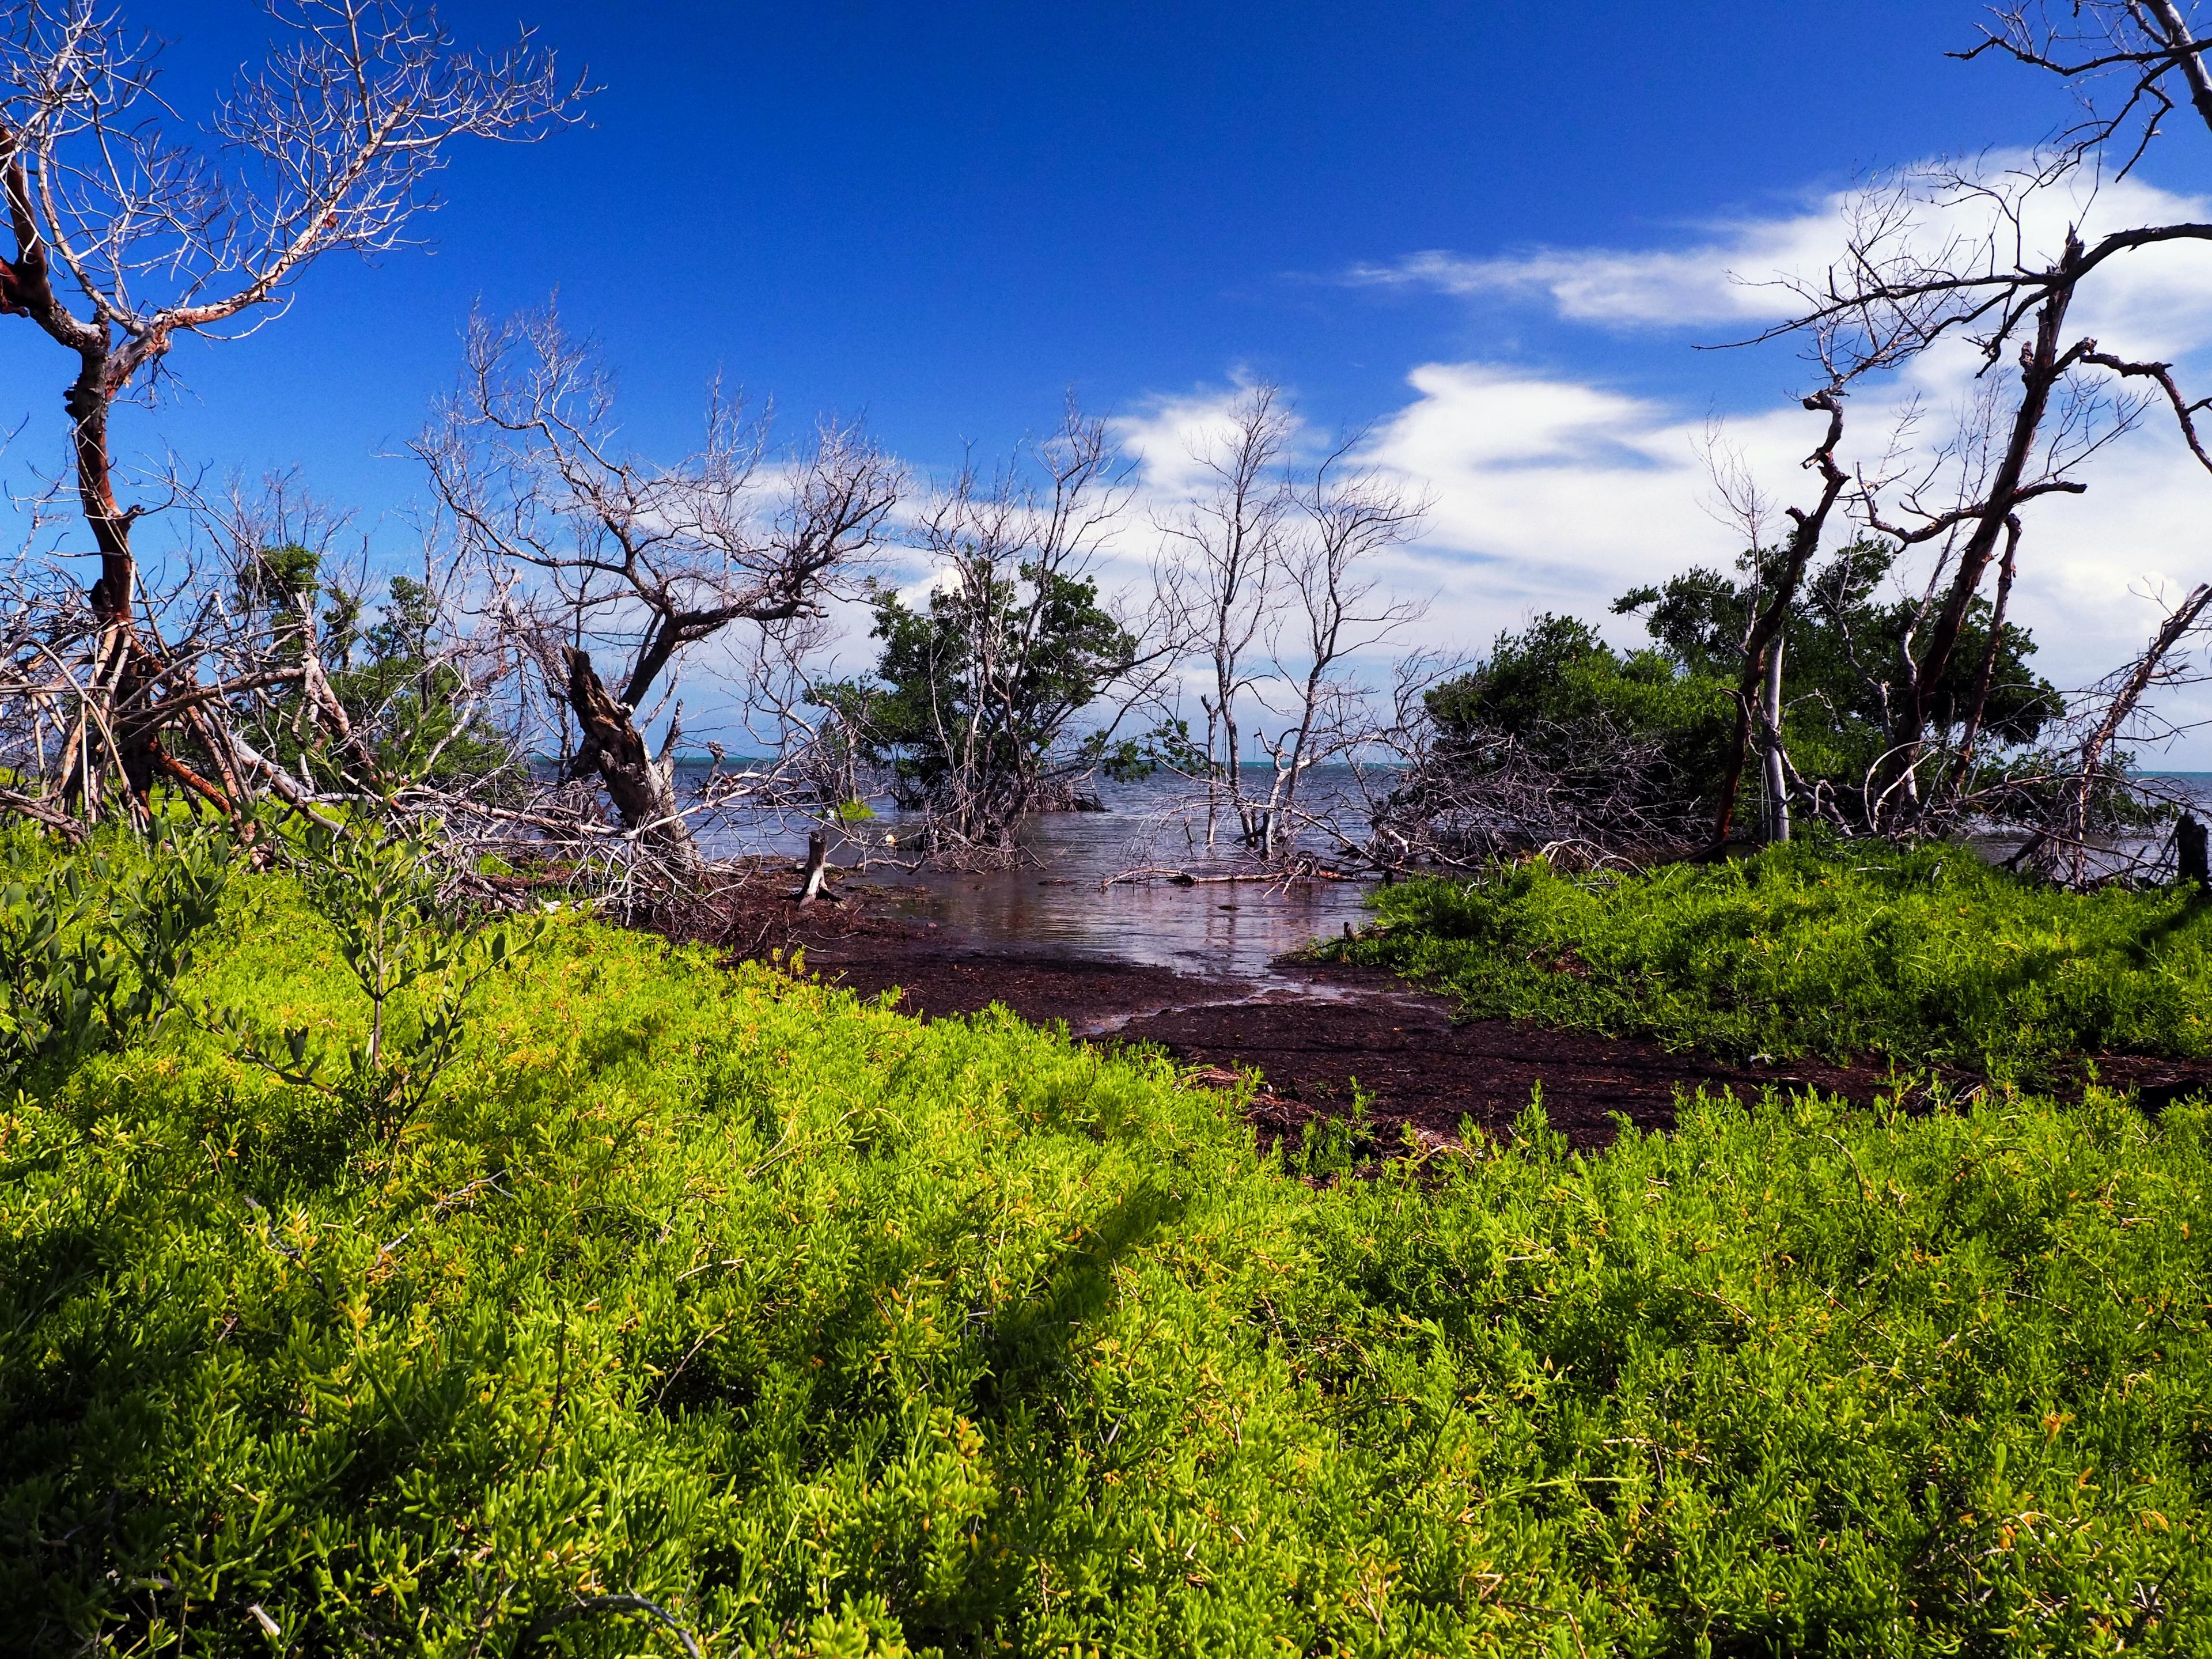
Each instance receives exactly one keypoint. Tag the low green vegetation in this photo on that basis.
(1845, 951)
(718, 1295)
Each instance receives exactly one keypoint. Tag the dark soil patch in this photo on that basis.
(2156, 1082)
(1319, 1035)
(1361, 1030)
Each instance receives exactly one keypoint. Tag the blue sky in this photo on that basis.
(943, 215)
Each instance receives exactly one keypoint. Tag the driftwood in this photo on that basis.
(1178, 877)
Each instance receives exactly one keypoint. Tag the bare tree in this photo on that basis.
(1759, 696)
(1908, 283)
(127, 236)
(1269, 574)
(1901, 300)
(2062, 848)
(2130, 63)
(239, 684)
(1347, 517)
(1223, 580)
(598, 549)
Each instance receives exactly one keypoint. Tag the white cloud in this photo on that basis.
(1549, 494)
(1679, 288)
(1739, 274)
(1556, 495)
(1170, 435)
(1555, 492)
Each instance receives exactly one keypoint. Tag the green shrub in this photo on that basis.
(90, 952)
(824, 1332)
(408, 954)
(1928, 957)
(1557, 696)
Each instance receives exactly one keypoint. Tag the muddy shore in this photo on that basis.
(1317, 1033)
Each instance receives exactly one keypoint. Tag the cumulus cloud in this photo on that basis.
(1554, 491)
(1551, 493)
(1557, 490)
(1544, 490)
(1556, 495)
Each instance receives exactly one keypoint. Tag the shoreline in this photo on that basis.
(1319, 1033)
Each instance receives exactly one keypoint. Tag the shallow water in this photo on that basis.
(1055, 900)
(1224, 930)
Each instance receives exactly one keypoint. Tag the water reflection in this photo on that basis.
(1055, 900)
(1224, 930)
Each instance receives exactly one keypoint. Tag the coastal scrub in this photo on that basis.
(1842, 950)
(716, 1299)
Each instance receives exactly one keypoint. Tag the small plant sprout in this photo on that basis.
(418, 964)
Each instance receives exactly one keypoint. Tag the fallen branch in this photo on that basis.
(1184, 878)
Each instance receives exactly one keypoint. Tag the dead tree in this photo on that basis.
(1222, 581)
(1888, 290)
(2062, 848)
(1347, 517)
(607, 554)
(2144, 50)
(1760, 688)
(2129, 63)
(1270, 576)
(128, 235)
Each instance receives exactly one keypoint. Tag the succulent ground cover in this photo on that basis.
(1845, 951)
(713, 1307)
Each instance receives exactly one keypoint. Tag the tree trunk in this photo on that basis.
(643, 790)
(129, 722)
(815, 882)
(1763, 640)
(2043, 364)
(1777, 786)
(1978, 703)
